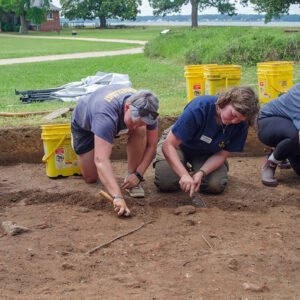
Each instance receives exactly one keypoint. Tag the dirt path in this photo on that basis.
(68, 56)
(75, 38)
(244, 246)
(10, 61)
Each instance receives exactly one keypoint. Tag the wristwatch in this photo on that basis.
(203, 172)
(139, 176)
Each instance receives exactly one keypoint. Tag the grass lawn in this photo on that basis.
(12, 47)
(162, 75)
(143, 33)
(167, 81)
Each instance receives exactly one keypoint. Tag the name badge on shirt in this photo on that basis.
(205, 139)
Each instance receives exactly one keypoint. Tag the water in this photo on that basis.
(213, 23)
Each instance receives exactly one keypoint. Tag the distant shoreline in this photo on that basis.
(208, 23)
(292, 20)
(184, 23)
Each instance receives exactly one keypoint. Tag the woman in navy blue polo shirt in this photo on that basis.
(208, 130)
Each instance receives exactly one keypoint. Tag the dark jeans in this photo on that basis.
(282, 134)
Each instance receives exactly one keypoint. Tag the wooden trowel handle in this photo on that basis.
(106, 196)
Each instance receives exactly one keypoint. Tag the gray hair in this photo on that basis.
(144, 98)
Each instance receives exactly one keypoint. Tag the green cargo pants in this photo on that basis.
(167, 180)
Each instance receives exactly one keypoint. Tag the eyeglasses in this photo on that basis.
(145, 112)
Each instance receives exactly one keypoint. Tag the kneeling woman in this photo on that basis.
(279, 127)
(208, 130)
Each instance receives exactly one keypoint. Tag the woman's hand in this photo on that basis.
(120, 207)
(130, 181)
(186, 183)
(197, 181)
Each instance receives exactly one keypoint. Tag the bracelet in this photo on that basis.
(139, 176)
(203, 172)
(118, 197)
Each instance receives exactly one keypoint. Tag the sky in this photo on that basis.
(146, 10)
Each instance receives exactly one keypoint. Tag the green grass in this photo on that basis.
(144, 33)
(167, 81)
(163, 73)
(12, 47)
(226, 45)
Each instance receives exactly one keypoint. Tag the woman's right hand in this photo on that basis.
(121, 208)
(186, 183)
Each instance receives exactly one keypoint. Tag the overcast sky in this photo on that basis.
(146, 10)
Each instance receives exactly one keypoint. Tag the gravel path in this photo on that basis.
(74, 38)
(10, 61)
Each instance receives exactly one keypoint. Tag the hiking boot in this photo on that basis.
(267, 174)
(284, 164)
(136, 192)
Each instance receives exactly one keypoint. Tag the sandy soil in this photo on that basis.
(245, 245)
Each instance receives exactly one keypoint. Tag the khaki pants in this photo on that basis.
(167, 180)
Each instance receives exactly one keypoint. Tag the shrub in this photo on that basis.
(227, 45)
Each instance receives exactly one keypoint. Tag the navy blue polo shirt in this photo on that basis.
(200, 133)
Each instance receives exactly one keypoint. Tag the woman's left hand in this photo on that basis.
(197, 181)
(130, 182)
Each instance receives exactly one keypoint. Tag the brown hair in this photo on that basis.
(243, 99)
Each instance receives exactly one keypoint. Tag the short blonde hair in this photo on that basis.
(243, 99)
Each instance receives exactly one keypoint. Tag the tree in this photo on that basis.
(26, 10)
(104, 9)
(162, 7)
(272, 8)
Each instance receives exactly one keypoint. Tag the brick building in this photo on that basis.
(52, 23)
(52, 19)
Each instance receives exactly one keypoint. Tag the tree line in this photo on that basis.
(129, 9)
(215, 17)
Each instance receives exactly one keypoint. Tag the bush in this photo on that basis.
(227, 45)
(7, 27)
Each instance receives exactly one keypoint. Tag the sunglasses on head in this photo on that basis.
(145, 112)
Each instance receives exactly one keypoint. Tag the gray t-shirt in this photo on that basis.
(102, 112)
(287, 106)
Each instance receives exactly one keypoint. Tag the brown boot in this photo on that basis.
(267, 174)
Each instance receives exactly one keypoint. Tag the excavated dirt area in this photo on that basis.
(245, 245)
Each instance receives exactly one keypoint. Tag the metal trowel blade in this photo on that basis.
(198, 201)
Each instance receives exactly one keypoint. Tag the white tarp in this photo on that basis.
(74, 91)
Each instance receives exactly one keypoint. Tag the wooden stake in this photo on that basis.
(117, 238)
(24, 114)
(206, 241)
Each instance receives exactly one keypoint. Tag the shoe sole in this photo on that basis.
(135, 195)
(271, 184)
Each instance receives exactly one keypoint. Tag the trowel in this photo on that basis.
(198, 201)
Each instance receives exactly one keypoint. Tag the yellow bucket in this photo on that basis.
(274, 79)
(59, 155)
(220, 78)
(195, 81)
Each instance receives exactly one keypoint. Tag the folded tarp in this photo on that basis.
(74, 91)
